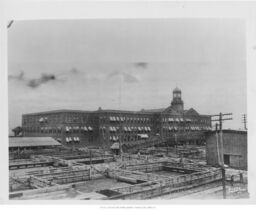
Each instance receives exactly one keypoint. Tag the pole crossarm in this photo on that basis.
(217, 115)
(222, 119)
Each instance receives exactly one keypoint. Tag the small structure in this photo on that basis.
(234, 149)
(115, 148)
(17, 143)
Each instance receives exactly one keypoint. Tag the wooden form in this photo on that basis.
(29, 164)
(66, 176)
(145, 185)
(157, 188)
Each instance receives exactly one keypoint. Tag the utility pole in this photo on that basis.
(176, 142)
(217, 143)
(219, 138)
(90, 157)
(121, 123)
(120, 137)
(161, 128)
(245, 121)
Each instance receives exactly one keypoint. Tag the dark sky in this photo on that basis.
(127, 64)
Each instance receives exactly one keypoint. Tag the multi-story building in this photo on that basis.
(107, 127)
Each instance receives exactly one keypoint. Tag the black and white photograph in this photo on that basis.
(127, 109)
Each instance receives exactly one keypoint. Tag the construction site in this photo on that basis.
(124, 155)
(55, 172)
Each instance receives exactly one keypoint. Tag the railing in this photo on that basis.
(154, 140)
(155, 188)
(136, 175)
(62, 176)
(39, 182)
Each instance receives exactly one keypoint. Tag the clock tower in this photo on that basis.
(177, 103)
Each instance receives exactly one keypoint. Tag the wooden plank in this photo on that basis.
(178, 169)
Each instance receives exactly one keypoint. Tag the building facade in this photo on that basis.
(107, 127)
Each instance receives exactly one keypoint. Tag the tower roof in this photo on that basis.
(177, 90)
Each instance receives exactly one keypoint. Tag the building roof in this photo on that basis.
(177, 90)
(191, 111)
(170, 110)
(231, 131)
(118, 111)
(32, 142)
(82, 111)
(153, 110)
(59, 111)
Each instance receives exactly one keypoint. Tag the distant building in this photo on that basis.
(234, 149)
(106, 127)
(23, 143)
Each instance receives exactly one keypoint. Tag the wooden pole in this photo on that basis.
(90, 157)
(221, 159)
(176, 143)
(220, 148)
(224, 182)
(217, 145)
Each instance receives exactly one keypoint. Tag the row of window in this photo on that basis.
(194, 128)
(68, 129)
(78, 128)
(72, 139)
(76, 118)
(175, 120)
(41, 130)
(129, 138)
(179, 119)
(76, 139)
(55, 119)
(114, 119)
(125, 128)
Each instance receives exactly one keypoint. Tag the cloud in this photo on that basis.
(34, 83)
(43, 79)
(128, 78)
(74, 70)
(19, 77)
(114, 73)
(143, 65)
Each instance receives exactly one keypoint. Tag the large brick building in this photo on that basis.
(106, 127)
